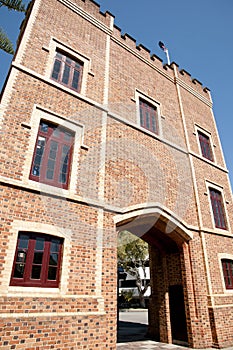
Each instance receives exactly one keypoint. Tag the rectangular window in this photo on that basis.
(37, 260)
(218, 209)
(67, 71)
(205, 146)
(148, 116)
(227, 266)
(52, 155)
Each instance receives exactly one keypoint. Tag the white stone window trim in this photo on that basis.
(219, 188)
(140, 95)
(222, 256)
(56, 45)
(39, 114)
(28, 226)
(212, 145)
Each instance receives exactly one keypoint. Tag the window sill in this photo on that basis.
(33, 291)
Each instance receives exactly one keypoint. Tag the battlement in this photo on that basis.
(93, 8)
(131, 42)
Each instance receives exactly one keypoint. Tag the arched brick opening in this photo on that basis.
(166, 235)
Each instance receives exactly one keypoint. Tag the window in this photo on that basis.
(218, 208)
(205, 145)
(67, 71)
(148, 116)
(52, 155)
(227, 266)
(37, 260)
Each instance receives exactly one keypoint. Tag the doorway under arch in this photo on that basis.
(168, 311)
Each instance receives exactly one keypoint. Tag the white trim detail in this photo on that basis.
(29, 226)
(220, 257)
(220, 189)
(208, 134)
(141, 95)
(152, 213)
(56, 45)
(36, 117)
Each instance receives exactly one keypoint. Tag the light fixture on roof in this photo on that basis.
(163, 47)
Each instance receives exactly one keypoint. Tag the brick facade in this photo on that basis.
(122, 176)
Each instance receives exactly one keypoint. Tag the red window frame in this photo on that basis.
(148, 116)
(205, 146)
(52, 156)
(227, 266)
(218, 208)
(67, 71)
(37, 257)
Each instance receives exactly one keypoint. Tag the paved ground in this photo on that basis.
(132, 330)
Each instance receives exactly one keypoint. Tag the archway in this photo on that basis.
(166, 235)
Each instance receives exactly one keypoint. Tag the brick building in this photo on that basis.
(97, 136)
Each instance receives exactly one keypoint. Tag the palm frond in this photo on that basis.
(5, 43)
(13, 5)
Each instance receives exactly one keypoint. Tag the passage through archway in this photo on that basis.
(168, 309)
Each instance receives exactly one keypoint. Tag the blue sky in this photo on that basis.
(198, 34)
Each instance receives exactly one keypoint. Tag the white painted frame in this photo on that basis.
(220, 189)
(140, 95)
(37, 115)
(208, 134)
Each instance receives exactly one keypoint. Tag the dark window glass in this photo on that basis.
(218, 208)
(148, 116)
(37, 260)
(227, 266)
(205, 146)
(67, 71)
(52, 156)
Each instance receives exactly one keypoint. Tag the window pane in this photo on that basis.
(218, 209)
(56, 132)
(52, 273)
(44, 127)
(205, 146)
(38, 156)
(36, 270)
(54, 247)
(23, 241)
(56, 69)
(78, 65)
(153, 123)
(38, 256)
(21, 256)
(67, 136)
(64, 164)
(148, 116)
(39, 263)
(53, 260)
(19, 270)
(147, 120)
(66, 74)
(75, 80)
(68, 60)
(49, 174)
(53, 150)
(39, 243)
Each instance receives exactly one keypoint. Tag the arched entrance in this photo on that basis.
(168, 309)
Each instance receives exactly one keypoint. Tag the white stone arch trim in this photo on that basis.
(28, 226)
(222, 256)
(155, 211)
